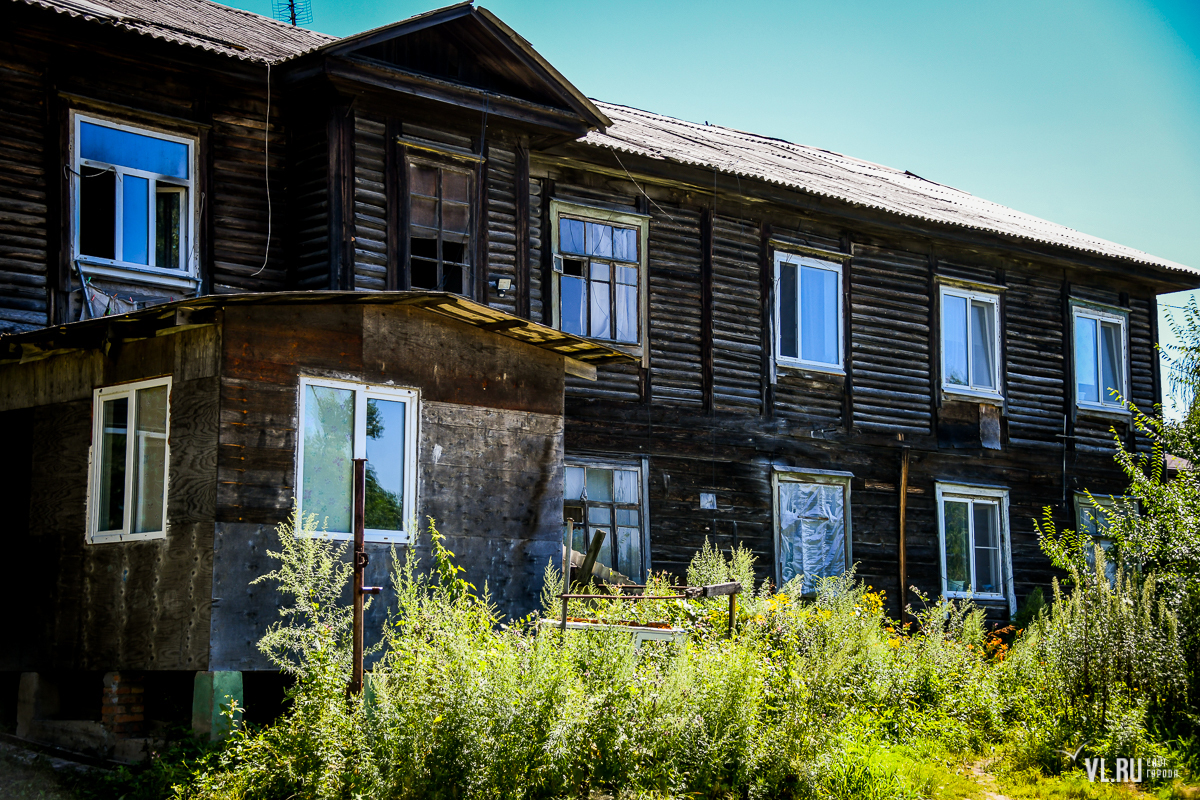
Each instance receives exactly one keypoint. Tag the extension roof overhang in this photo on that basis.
(180, 315)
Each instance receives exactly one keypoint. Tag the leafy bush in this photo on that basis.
(815, 697)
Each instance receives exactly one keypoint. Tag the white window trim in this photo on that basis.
(183, 277)
(626, 218)
(984, 297)
(1100, 315)
(362, 392)
(793, 475)
(999, 496)
(784, 257)
(643, 467)
(129, 390)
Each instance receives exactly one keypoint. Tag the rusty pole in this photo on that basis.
(360, 566)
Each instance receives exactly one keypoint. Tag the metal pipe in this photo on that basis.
(360, 565)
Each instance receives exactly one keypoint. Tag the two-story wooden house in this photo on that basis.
(831, 362)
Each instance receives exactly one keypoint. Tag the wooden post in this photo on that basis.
(360, 565)
(732, 612)
(904, 454)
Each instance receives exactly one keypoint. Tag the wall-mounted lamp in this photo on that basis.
(503, 285)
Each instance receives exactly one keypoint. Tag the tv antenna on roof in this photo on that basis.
(293, 12)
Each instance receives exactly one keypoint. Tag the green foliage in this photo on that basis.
(814, 698)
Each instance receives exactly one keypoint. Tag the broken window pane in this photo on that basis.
(789, 346)
(113, 444)
(983, 340)
(150, 460)
(819, 315)
(135, 235)
(328, 450)
(599, 240)
(954, 338)
(1085, 360)
(385, 465)
(812, 531)
(168, 217)
(1110, 359)
(958, 545)
(97, 213)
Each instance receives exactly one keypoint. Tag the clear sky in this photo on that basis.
(1086, 113)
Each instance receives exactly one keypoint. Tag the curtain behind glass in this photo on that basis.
(983, 337)
(328, 453)
(818, 315)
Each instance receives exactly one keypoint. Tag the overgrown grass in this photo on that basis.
(820, 697)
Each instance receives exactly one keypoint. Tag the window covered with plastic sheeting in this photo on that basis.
(813, 529)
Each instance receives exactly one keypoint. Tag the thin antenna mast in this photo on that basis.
(293, 12)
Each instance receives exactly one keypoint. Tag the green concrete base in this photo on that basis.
(211, 695)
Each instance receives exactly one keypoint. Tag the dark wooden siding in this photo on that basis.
(1033, 351)
(23, 211)
(737, 315)
(370, 203)
(674, 279)
(309, 192)
(539, 239)
(239, 208)
(890, 340)
(502, 224)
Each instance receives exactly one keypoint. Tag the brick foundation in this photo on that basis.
(123, 712)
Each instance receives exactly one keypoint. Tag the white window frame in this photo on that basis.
(971, 295)
(1100, 315)
(561, 208)
(362, 393)
(986, 494)
(181, 277)
(784, 257)
(129, 390)
(642, 466)
(797, 475)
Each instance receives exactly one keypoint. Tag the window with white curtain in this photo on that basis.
(341, 421)
(970, 342)
(973, 534)
(1101, 357)
(130, 457)
(808, 312)
(812, 526)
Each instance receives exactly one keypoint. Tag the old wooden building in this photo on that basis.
(828, 361)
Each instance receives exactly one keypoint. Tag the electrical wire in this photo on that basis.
(267, 171)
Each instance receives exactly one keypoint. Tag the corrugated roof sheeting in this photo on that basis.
(834, 175)
(197, 23)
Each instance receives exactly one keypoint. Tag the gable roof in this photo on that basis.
(196, 23)
(829, 174)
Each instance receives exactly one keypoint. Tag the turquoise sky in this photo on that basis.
(1084, 113)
